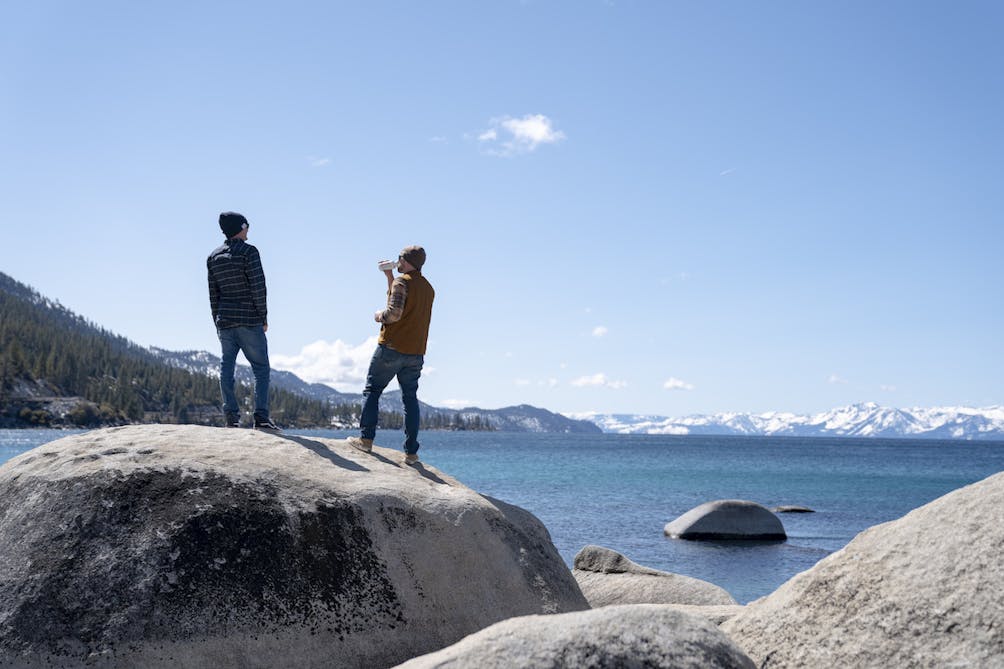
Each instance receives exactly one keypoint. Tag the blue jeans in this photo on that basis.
(385, 365)
(252, 341)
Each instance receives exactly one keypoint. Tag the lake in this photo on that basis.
(619, 491)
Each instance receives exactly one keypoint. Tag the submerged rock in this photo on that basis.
(640, 635)
(727, 519)
(791, 508)
(606, 577)
(921, 591)
(167, 546)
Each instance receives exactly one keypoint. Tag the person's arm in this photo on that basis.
(395, 302)
(214, 292)
(256, 282)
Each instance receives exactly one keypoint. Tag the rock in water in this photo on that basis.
(187, 546)
(727, 519)
(646, 636)
(606, 577)
(921, 591)
(790, 508)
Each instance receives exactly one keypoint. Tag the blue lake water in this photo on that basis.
(620, 490)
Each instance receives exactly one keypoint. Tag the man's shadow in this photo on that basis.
(324, 452)
(328, 454)
(418, 467)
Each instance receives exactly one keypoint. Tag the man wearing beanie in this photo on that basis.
(237, 299)
(400, 350)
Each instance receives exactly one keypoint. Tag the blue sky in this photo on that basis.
(644, 207)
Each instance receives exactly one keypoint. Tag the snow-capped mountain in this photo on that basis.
(857, 420)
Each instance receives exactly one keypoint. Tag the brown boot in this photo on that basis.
(360, 444)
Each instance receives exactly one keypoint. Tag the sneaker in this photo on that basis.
(232, 420)
(360, 444)
(266, 424)
(411, 458)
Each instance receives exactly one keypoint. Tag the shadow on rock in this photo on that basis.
(428, 474)
(419, 467)
(324, 452)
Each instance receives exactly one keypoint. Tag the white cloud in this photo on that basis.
(599, 331)
(522, 382)
(594, 380)
(834, 379)
(437, 139)
(520, 135)
(533, 130)
(336, 364)
(598, 380)
(673, 383)
(727, 172)
(887, 388)
(318, 162)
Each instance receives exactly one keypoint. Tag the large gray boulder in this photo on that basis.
(607, 577)
(171, 546)
(727, 519)
(921, 591)
(648, 636)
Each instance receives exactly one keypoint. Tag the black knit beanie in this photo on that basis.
(415, 255)
(231, 223)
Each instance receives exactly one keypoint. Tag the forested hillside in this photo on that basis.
(57, 368)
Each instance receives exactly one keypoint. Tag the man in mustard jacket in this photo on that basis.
(400, 350)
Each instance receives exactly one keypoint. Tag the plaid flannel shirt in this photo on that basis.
(396, 297)
(236, 285)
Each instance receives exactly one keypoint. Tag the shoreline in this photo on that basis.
(649, 437)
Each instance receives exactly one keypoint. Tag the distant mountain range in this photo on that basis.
(57, 368)
(857, 420)
(521, 418)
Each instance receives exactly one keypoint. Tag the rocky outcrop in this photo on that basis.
(921, 591)
(641, 635)
(167, 546)
(727, 519)
(606, 577)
